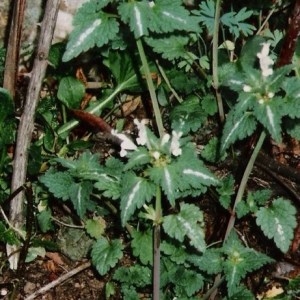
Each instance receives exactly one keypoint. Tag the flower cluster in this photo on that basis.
(265, 61)
(144, 140)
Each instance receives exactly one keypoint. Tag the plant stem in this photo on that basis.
(156, 246)
(151, 88)
(244, 181)
(215, 60)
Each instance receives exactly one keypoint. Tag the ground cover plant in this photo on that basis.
(153, 135)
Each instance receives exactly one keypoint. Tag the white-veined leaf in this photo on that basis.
(188, 222)
(278, 222)
(136, 192)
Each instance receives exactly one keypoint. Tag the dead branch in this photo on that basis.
(13, 47)
(26, 125)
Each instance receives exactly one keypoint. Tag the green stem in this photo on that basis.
(244, 181)
(164, 76)
(151, 88)
(71, 124)
(215, 61)
(156, 246)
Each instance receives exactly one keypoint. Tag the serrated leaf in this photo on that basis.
(138, 158)
(226, 190)
(167, 178)
(95, 30)
(237, 128)
(240, 260)
(105, 254)
(278, 222)
(137, 14)
(142, 246)
(137, 275)
(188, 282)
(175, 252)
(58, 183)
(211, 261)
(269, 115)
(188, 222)
(70, 91)
(170, 15)
(80, 197)
(95, 227)
(109, 186)
(188, 116)
(197, 175)
(136, 192)
(171, 47)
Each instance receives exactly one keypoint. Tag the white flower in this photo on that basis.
(271, 94)
(126, 144)
(165, 139)
(247, 88)
(141, 126)
(265, 61)
(156, 155)
(175, 145)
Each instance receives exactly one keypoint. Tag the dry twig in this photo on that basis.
(27, 121)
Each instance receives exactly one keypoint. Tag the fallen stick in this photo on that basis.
(58, 281)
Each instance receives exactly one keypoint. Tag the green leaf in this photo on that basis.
(237, 128)
(137, 275)
(207, 14)
(80, 197)
(7, 121)
(211, 261)
(8, 235)
(198, 175)
(58, 183)
(136, 192)
(269, 115)
(187, 282)
(188, 116)
(138, 158)
(239, 261)
(34, 252)
(70, 91)
(142, 246)
(176, 252)
(109, 186)
(234, 22)
(7, 104)
(124, 70)
(105, 254)
(95, 30)
(210, 152)
(137, 14)
(167, 178)
(278, 222)
(188, 222)
(172, 47)
(170, 15)
(87, 166)
(95, 227)
(44, 220)
(226, 190)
